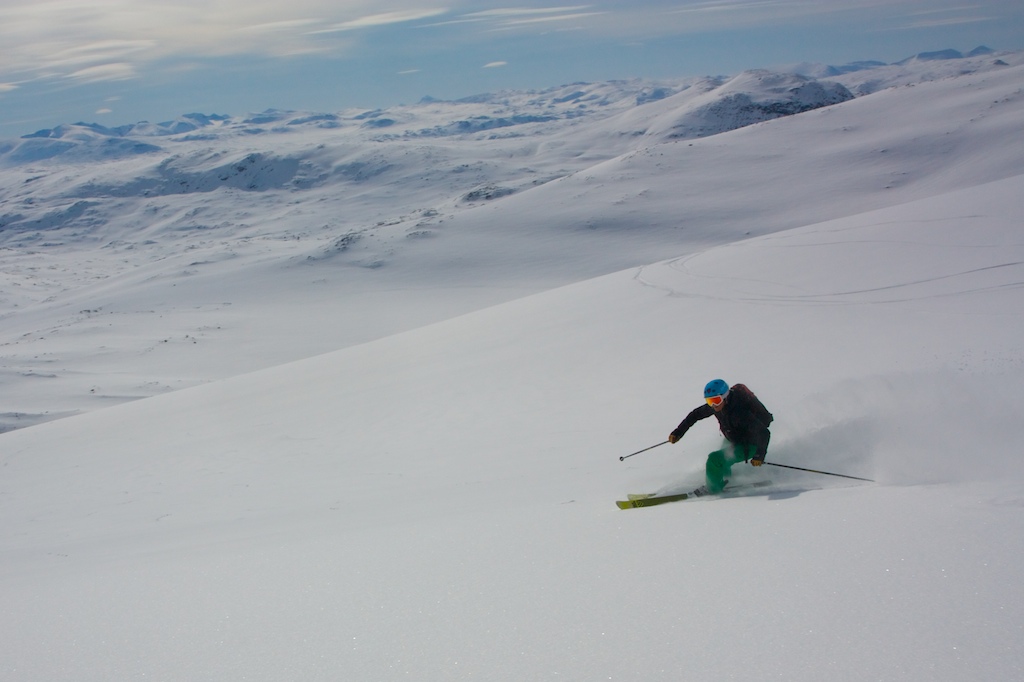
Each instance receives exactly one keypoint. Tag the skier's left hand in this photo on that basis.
(756, 462)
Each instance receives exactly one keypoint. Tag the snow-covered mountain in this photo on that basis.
(751, 97)
(409, 347)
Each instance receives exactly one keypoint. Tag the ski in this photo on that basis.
(652, 499)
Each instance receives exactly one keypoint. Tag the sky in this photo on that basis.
(122, 61)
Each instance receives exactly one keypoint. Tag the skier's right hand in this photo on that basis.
(673, 438)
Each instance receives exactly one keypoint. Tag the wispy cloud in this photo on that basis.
(548, 19)
(104, 72)
(278, 26)
(98, 52)
(716, 15)
(87, 40)
(722, 6)
(948, 21)
(944, 10)
(770, 11)
(495, 65)
(382, 20)
(524, 11)
(629, 20)
(512, 17)
(945, 16)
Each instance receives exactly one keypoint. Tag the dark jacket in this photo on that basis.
(743, 420)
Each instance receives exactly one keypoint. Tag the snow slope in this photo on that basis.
(434, 499)
(438, 504)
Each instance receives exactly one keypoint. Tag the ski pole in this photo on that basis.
(644, 450)
(815, 471)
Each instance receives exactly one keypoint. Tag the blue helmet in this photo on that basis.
(715, 387)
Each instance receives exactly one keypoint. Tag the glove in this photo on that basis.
(673, 438)
(756, 462)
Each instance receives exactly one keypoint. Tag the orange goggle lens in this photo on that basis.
(715, 400)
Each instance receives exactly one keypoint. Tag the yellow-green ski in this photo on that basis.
(653, 499)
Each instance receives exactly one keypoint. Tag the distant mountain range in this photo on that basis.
(532, 107)
(979, 51)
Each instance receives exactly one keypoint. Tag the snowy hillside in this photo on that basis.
(438, 504)
(408, 358)
(152, 257)
(751, 97)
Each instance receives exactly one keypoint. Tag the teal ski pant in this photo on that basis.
(720, 462)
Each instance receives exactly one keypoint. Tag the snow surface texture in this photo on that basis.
(435, 499)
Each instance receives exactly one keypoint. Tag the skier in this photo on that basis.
(744, 423)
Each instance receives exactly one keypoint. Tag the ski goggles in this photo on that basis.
(716, 400)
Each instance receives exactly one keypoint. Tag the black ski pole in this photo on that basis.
(644, 450)
(815, 471)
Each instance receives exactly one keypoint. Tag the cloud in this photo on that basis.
(629, 20)
(494, 65)
(98, 52)
(948, 21)
(720, 6)
(512, 17)
(717, 15)
(525, 11)
(86, 41)
(7, 87)
(81, 39)
(104, 72)
(382, 20)
(277, 26)
(547, 19)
